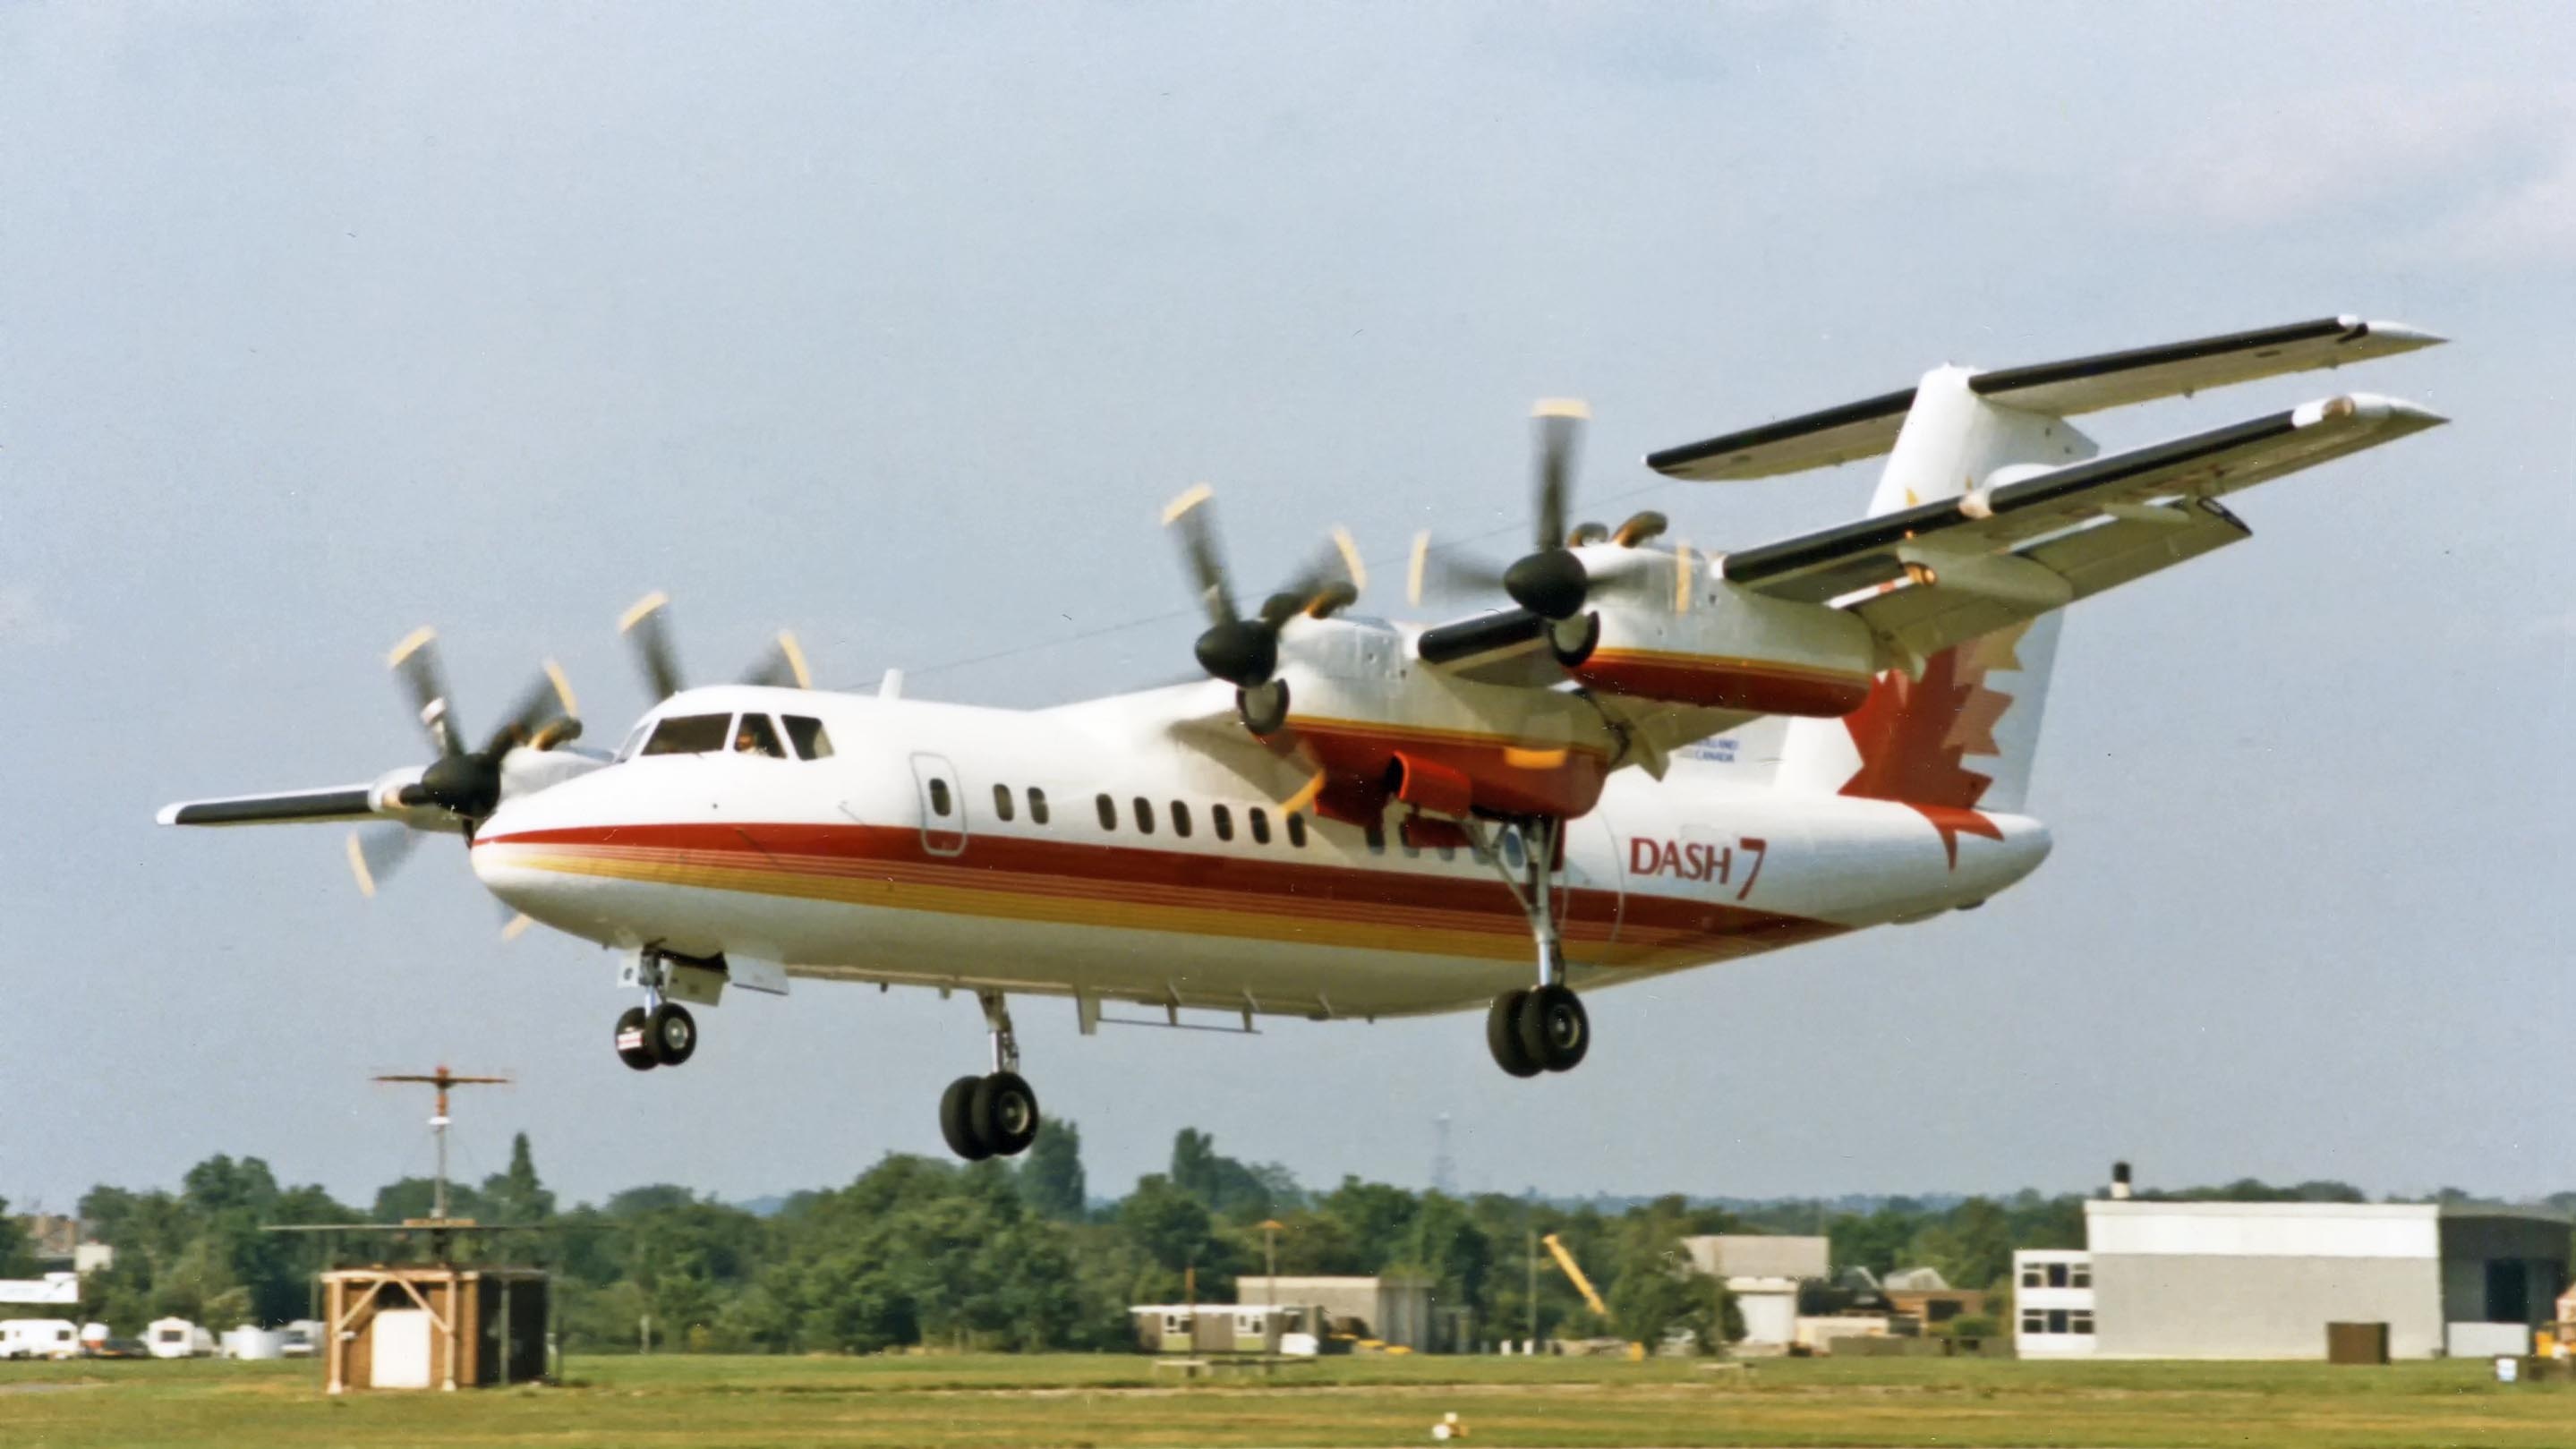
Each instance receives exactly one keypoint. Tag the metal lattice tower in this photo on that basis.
(443, 1079)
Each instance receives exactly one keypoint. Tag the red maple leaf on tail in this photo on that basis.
(1913, 735)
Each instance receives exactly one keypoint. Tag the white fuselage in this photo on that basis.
(893, 860)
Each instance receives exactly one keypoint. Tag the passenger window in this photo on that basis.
(1376, 838)
(1144, 816)
(1181, 819)
(1260, 826)
(939, 797)
(1002, 801)
(1108, 813)
(1037, 806)
(1297, 831)
(806, 734)
(689, 734)
(1223, 820)
(755, 736)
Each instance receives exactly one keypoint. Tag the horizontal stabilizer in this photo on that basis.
(349, 802)
(2062, 389)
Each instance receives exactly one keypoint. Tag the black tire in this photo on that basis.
(1573, 658)
(1005, 1114)
(1554, 1028)
(1503, 1035)
(1263, 721)
(671, 1034)
(957, 1119)
(631, 1045)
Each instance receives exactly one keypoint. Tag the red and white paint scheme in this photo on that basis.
(1657, 758)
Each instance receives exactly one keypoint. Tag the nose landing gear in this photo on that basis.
(1542, 1028)
(995, 1115)
(659, 1033)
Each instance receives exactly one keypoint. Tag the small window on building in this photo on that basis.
(689, 734)
(2057, 1320)
(940, 804)
(1260, 825)
(2080, 1321)
(808, 736)
(756, 736)
(2033, 1321)
(1144, 816)
(1297, 831)
(2080, 1275)
(1108, 812)
(2032, 1277)
(1173, 1323)
(1376, 838)
(1221, 820)
(2057, 1275)
(1002, 801)
(1181, 818)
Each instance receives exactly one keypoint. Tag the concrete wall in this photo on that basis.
(2171, 1305)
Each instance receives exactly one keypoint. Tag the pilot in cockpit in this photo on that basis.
(754, 737)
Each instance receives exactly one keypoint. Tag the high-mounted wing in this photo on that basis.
(2077, 385)
(1955, 568)
(295, 807)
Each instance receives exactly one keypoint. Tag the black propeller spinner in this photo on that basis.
(1550, 581)
(1244, 651)
(467, 783)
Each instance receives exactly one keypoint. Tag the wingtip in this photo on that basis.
(2406, 338)
(167, 815)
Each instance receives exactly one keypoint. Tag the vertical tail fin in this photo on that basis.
(1958, 738)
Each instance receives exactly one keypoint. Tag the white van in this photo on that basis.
(39, 1338)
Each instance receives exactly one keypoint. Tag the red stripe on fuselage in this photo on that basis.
(1651, 925)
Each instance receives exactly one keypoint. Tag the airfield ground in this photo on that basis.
(721, 1403)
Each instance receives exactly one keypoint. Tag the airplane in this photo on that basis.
(1644, 758)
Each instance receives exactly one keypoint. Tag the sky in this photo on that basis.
(896, 324)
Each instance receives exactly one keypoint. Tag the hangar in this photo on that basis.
(2262, 1280)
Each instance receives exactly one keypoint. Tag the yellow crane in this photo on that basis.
(1574, 1275)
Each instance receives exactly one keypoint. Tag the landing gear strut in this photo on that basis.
(659, 1033)
(1542, 1028)
(995, 1115)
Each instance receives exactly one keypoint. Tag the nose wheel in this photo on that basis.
(994, 1115)
(659, 1033)
(1543, 1028)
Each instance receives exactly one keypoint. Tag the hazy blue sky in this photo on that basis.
(896, 323)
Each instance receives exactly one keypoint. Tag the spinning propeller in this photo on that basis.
(1551, 581)
(647, 626)
(464, 784)
(1244, 650)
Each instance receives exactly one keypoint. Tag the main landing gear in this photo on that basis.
(1542, 1028)
(995, 1115)
(660, 1033)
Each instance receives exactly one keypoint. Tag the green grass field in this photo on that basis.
(722, 1403)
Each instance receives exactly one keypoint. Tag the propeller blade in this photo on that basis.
(1559, 435)
(783, 667)
(548, 698)
(515, 923)
(415, 662)
(376, 853)
(648, 624)
(1454, 572)
(1193, 522)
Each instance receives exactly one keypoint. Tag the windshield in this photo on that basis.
(688, 734)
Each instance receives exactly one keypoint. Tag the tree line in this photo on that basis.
(1015, 1257)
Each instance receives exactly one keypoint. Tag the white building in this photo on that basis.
(2052, 1302)
(2262, 1280)
(1764, 1272)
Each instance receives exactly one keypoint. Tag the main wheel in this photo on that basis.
(1005, 1114)
(671, 1034)
(631, 1046)
(957, 1120)
(1554, 1028)
(1503, 1035)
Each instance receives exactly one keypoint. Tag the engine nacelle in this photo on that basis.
(1730, 648)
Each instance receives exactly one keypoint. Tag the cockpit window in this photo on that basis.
(808, 736)
(689, 734)
(755, 736)
(634, 739)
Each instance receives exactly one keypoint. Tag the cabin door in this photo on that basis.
(943, 805)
